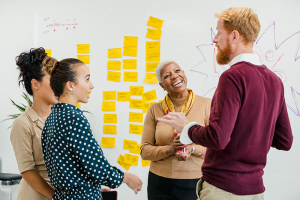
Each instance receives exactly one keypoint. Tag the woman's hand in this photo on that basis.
(188, 152)
(105, 189)
(133, 182)
(175, 146)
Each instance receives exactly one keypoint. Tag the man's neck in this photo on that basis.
(241, 49)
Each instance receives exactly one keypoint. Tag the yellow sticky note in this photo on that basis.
(151, 66)
(110, 118)
(48, 52)
(130, 64)
(131, 76)
(153, 51)
(130, 51)
(84, 58)
(113, 65)
(136, 129)
(149, 96)
(114, 76)
(145, 163)
(130, 41)
(120, 161)
(147, 106)
(89, 95)
(83, 48)
(78, 104)
(108, 106)
(129, 144)
(109, 95)
(110, 129)
(155, 22)
(160, 100)
(108, 142)
(136, 149)
(136, 104)
(153, 34)
(123, 96)
(135, 117)
(150, 78)
(115, 53)
(136, 90)
(131, 159)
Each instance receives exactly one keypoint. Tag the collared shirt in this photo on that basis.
(74, 159)
(25, 138)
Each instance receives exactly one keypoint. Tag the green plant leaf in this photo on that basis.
(26, 97)
(86, 111)
(22, 109)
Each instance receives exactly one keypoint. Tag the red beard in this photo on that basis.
(224, 54)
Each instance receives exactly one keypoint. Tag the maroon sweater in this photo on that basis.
(248, 116)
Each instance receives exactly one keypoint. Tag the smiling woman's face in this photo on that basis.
(173, 79)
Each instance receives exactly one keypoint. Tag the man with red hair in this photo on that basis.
(248, 115)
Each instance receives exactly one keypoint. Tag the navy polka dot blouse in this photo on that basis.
(75, 162)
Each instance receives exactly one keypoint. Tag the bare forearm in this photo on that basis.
(38, 183)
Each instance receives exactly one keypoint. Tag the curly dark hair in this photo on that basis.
(30, 66)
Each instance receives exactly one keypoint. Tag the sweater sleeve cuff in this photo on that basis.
(184, 137)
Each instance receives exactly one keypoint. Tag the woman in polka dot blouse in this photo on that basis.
(75, 162)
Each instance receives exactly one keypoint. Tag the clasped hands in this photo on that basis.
(177, 145)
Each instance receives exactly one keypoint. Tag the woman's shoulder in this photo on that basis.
(202, 100)
(22, 121)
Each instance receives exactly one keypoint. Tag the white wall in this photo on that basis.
(16, 35)
(187, 24)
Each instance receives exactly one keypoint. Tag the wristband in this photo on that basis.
(193, 149)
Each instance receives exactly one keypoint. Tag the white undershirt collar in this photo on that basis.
(246, 57)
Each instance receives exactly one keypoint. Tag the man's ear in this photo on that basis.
(235, 36)
(162, 86)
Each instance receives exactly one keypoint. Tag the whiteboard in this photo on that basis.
(187, 33)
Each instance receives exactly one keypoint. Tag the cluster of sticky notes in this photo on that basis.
(109, 104)
(130, 46)
(153, 49)
(83, 49)
(108, 142)
(48, 52)
(120, 161)
(132, 146)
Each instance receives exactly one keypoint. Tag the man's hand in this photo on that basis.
(178, 120)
